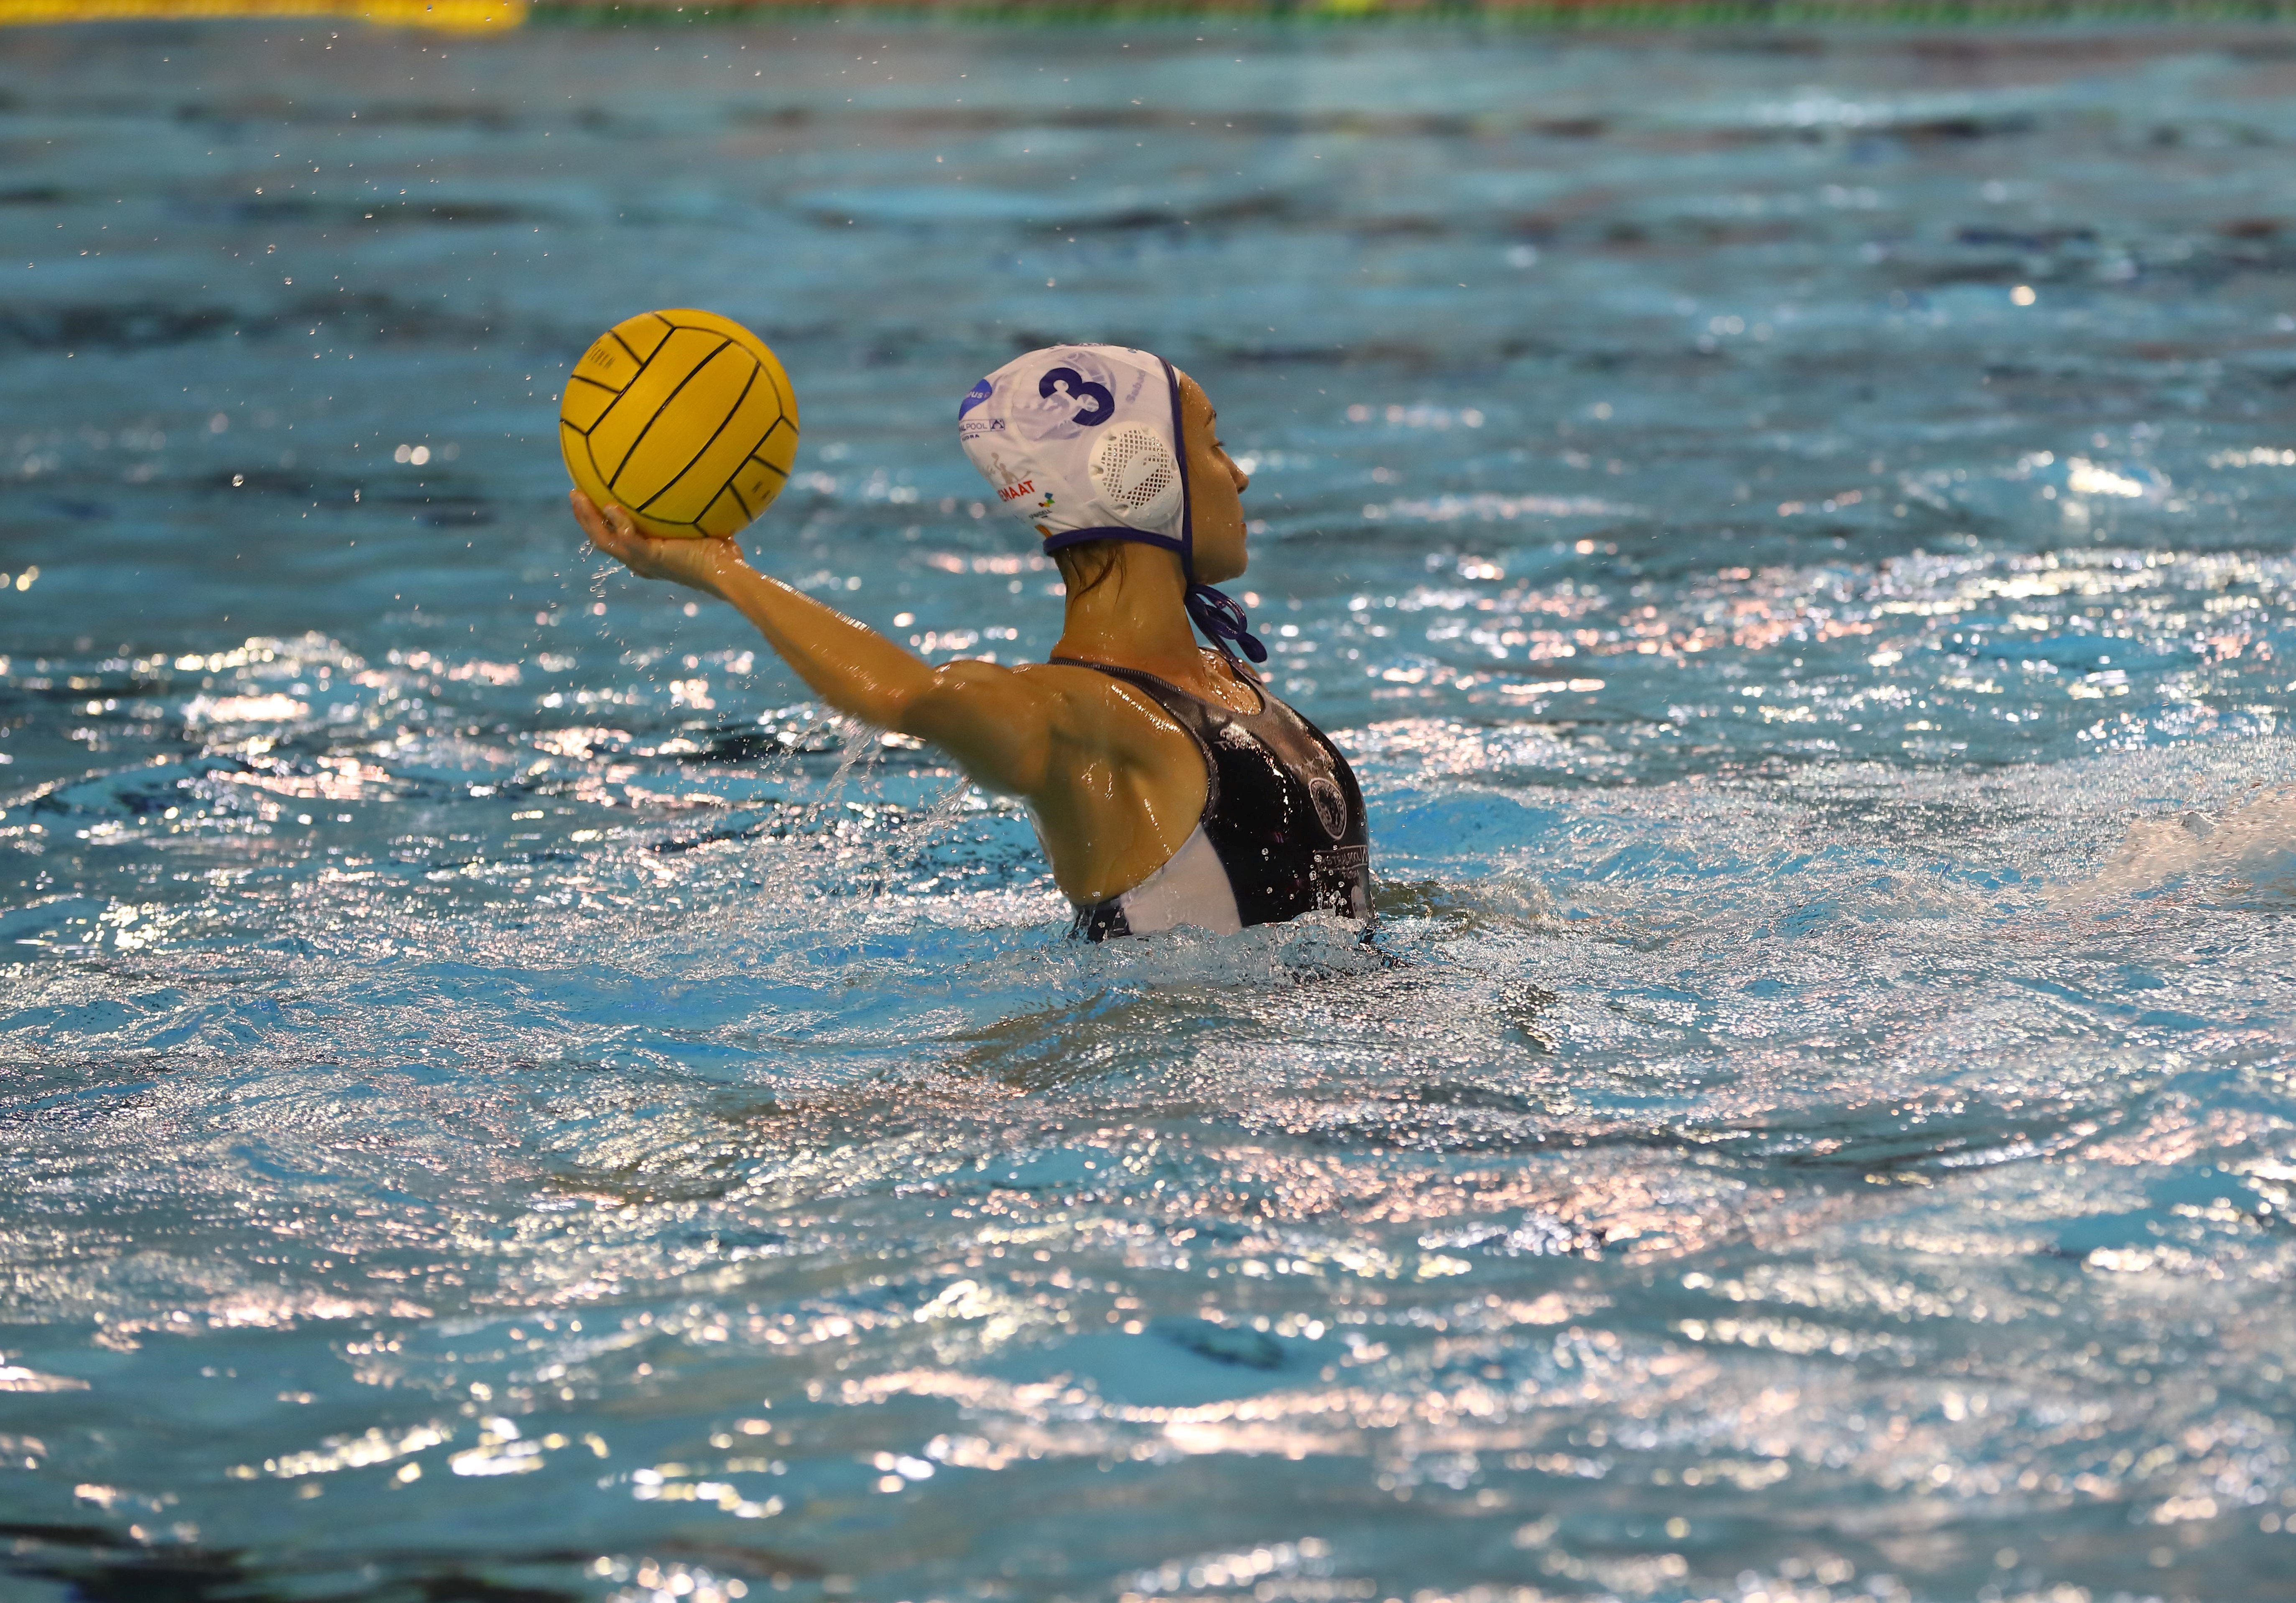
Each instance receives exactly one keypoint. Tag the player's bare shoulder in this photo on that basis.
(1101, 710)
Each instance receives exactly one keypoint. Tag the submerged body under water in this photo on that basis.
(505, 1099)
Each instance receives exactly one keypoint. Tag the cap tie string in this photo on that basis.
(1222, 620)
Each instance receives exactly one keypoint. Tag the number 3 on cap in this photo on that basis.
(1067, 380)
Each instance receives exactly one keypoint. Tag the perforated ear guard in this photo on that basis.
(1133, 470)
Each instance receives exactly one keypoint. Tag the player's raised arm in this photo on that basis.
(993, 720)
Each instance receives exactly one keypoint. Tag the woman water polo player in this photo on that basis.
(1168, 785)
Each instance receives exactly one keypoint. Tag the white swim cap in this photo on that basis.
(1083, 442)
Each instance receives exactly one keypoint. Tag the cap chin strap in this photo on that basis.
(1220, 617)
(1217, 614)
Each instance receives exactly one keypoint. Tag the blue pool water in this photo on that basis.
(504, 1100)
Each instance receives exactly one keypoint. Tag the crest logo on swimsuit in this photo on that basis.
(1100, 400)
(1331, 806)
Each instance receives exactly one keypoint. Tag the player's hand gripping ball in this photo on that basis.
(685, 418)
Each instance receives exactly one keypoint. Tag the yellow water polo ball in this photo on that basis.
(684, 417)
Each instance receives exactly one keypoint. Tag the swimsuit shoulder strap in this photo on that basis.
(1191, 712)
(1166, 694)
(1171, 696)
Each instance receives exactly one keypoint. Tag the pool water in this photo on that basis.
(506, 1099)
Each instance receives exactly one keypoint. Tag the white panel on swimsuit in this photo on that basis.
(1191, 888)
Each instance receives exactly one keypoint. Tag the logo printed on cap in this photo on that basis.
(1100, 400)
(973, 397)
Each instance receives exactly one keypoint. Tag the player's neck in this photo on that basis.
(1135, 617)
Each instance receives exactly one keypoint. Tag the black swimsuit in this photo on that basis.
(1282, 832)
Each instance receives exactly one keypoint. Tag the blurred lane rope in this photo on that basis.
(453, 16)
(492, 16)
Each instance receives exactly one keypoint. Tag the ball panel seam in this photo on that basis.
(661, 406)
(614, 394)
(731, 412)
(660, 334)
(615, 336)
(758, 453)
(780, 384)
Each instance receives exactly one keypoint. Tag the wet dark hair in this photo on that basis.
(1087, 566)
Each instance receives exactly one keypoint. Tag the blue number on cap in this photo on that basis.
(1072, 383)
(973, 397)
